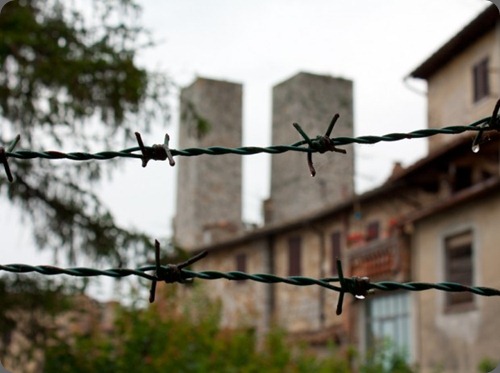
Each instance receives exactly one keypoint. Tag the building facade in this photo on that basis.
(463, 78)
(454, 240)
(430, 222)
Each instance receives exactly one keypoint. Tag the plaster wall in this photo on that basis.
(450, 89)
(458, 341)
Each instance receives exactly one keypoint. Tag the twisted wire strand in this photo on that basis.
(78, 271)
(238, 276)
(443, 286)
(478, 126)
(261, 277)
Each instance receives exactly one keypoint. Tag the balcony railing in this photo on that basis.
(377, 258)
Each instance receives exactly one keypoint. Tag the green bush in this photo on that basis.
(487, 365)
(168, 337)
(385, 358)
(162, 339)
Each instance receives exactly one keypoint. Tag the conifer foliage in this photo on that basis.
(69, 78)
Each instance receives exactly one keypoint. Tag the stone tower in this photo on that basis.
(209, 187)
(311, 101)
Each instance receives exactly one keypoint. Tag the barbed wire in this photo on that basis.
(319, 144)
(359, 287)
(250, 150)
(241, 276)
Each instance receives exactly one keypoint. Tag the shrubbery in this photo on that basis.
(162, 338)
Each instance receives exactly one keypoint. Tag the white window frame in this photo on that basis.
(407, 350)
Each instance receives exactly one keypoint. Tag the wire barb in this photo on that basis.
(157, 152)
(172, 272)
(320, 144)
(477, 126)
(493, 124)
(4, 160)
(357, 286)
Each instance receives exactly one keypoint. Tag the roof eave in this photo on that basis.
(469, 194)
(479, 26)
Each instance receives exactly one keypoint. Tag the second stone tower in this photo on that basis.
(311, 101)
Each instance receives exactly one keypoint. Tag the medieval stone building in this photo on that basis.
(434, 221)
(209, 188)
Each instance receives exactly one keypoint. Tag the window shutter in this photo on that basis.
(294, 256)
(480, 80)
(459, 266)
(336, 250)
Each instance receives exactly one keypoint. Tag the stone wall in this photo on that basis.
(311, 101)
(209, 187)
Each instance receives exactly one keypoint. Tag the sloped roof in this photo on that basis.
(479, 26)
(469, 194)
(407, 176)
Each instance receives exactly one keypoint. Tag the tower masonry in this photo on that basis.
(209, 187)
(311, 101)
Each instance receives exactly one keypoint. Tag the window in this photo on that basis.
(480, 80)
(336, 250)
(458, 268)
(294, 256)
(372, 231)
(241, 263)
(463, 178)
(388, 323)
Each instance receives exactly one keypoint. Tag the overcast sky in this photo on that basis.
(261, 43)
